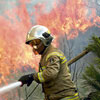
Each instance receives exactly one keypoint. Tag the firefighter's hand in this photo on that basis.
(26, 79)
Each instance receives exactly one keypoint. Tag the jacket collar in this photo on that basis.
(46, 50)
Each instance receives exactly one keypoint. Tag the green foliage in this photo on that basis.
(91, 74)
(95, 45)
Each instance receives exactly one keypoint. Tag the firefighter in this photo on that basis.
(53, 72)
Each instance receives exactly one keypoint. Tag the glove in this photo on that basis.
(26, 79)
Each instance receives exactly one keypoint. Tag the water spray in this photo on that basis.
(10, 87)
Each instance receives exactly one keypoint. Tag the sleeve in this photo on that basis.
(51, 71)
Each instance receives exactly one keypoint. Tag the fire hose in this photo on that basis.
(31, 92)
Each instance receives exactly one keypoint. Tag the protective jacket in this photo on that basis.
(54, 75)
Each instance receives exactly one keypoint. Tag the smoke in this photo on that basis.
(48, 5)
(93, 4)
(9, 4)
(98, 2)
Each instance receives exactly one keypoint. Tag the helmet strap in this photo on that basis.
(40, 48)
(43, 50)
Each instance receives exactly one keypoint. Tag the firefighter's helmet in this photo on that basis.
(39, 32)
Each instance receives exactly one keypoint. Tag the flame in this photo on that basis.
(64, 18)
(69, 18)
(13, 52)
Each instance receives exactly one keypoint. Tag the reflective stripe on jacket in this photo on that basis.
(54, 75)
(75, 97)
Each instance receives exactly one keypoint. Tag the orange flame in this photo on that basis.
(13, 52)
(65, 18)
(70, 18)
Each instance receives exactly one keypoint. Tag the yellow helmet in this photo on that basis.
(39, 32)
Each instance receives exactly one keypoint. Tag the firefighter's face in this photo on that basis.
(37, 46)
